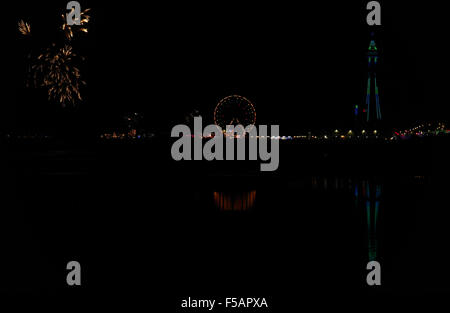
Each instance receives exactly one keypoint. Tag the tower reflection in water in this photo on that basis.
(367, 195)
(234, 201)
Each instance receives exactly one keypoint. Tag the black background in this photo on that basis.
(304, 67)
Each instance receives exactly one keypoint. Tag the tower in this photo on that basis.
(372, 105)
(371, 110)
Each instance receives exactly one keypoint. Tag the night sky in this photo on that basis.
(303, 67)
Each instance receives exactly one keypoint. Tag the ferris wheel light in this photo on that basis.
(234, 110)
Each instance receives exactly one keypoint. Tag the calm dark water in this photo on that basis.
(144, 226)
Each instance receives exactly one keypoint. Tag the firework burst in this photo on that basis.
(69, 30)
(24, 28)
(56, 70)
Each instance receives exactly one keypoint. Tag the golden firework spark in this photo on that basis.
(69, 30)
(56, 71)
(24, 28)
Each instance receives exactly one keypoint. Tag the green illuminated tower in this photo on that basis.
(370, 111)
(372, 106)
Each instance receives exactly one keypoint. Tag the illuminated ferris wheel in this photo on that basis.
(234, 110)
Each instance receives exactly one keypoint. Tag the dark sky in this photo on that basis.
(303, 66)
